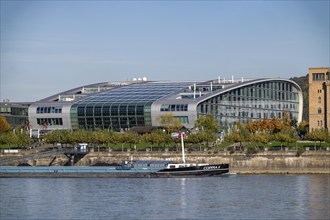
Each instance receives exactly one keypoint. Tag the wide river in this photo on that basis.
(232, 197)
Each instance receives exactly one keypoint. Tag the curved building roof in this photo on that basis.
(242, 84)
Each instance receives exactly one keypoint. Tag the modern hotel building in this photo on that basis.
(139, 102)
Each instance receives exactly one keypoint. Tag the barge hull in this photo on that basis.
(110, 174)
(77, 175)
(105, 175)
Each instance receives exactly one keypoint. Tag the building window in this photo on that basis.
(319, 111)
(319, 100)
(183, 119)
(164, 108)
(81, 111)
(97, 111)
(89, 111)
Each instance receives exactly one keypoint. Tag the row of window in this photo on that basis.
(260, 105)
(249, 113)
(257, 115)
(114, 110)
(115, 116)
(321, 76)
(182, 119)
(259, 93)
(246, 116)
(15, 111)
(48, 110)
(172, 108)
(117, 123)
(114, 123)
(226, 120)
(277, 86)
(215, 109)
(49, 121)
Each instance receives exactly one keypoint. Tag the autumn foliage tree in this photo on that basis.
(286, 135)
(16, 138)
(206, 123)
(130, 138)
(302, 128)
(80, 136)
(258, 138)
(261, 125)
(279, 129)
(239, 134)
(317, 135)
(271, 126)
(57, 136)
(170, 123)
(4, 125)
(157, 137)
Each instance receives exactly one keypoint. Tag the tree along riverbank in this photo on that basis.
(266, 162)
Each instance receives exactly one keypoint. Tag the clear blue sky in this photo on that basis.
(51, 46)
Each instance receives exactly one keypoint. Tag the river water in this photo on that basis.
(232, 197)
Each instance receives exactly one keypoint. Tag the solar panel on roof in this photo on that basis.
(136, 92)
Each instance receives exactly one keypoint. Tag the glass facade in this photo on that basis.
(121, 108)
(260, 100)
(15, 113)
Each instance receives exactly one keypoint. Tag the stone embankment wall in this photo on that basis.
(310, 162)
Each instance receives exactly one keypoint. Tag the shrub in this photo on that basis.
(251, 151)
(300, 151)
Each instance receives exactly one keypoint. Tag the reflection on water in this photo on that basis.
(183, 193)
(318, 188)
(236, 197)
(301, 190)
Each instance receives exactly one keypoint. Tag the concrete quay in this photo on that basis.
(267, 162)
